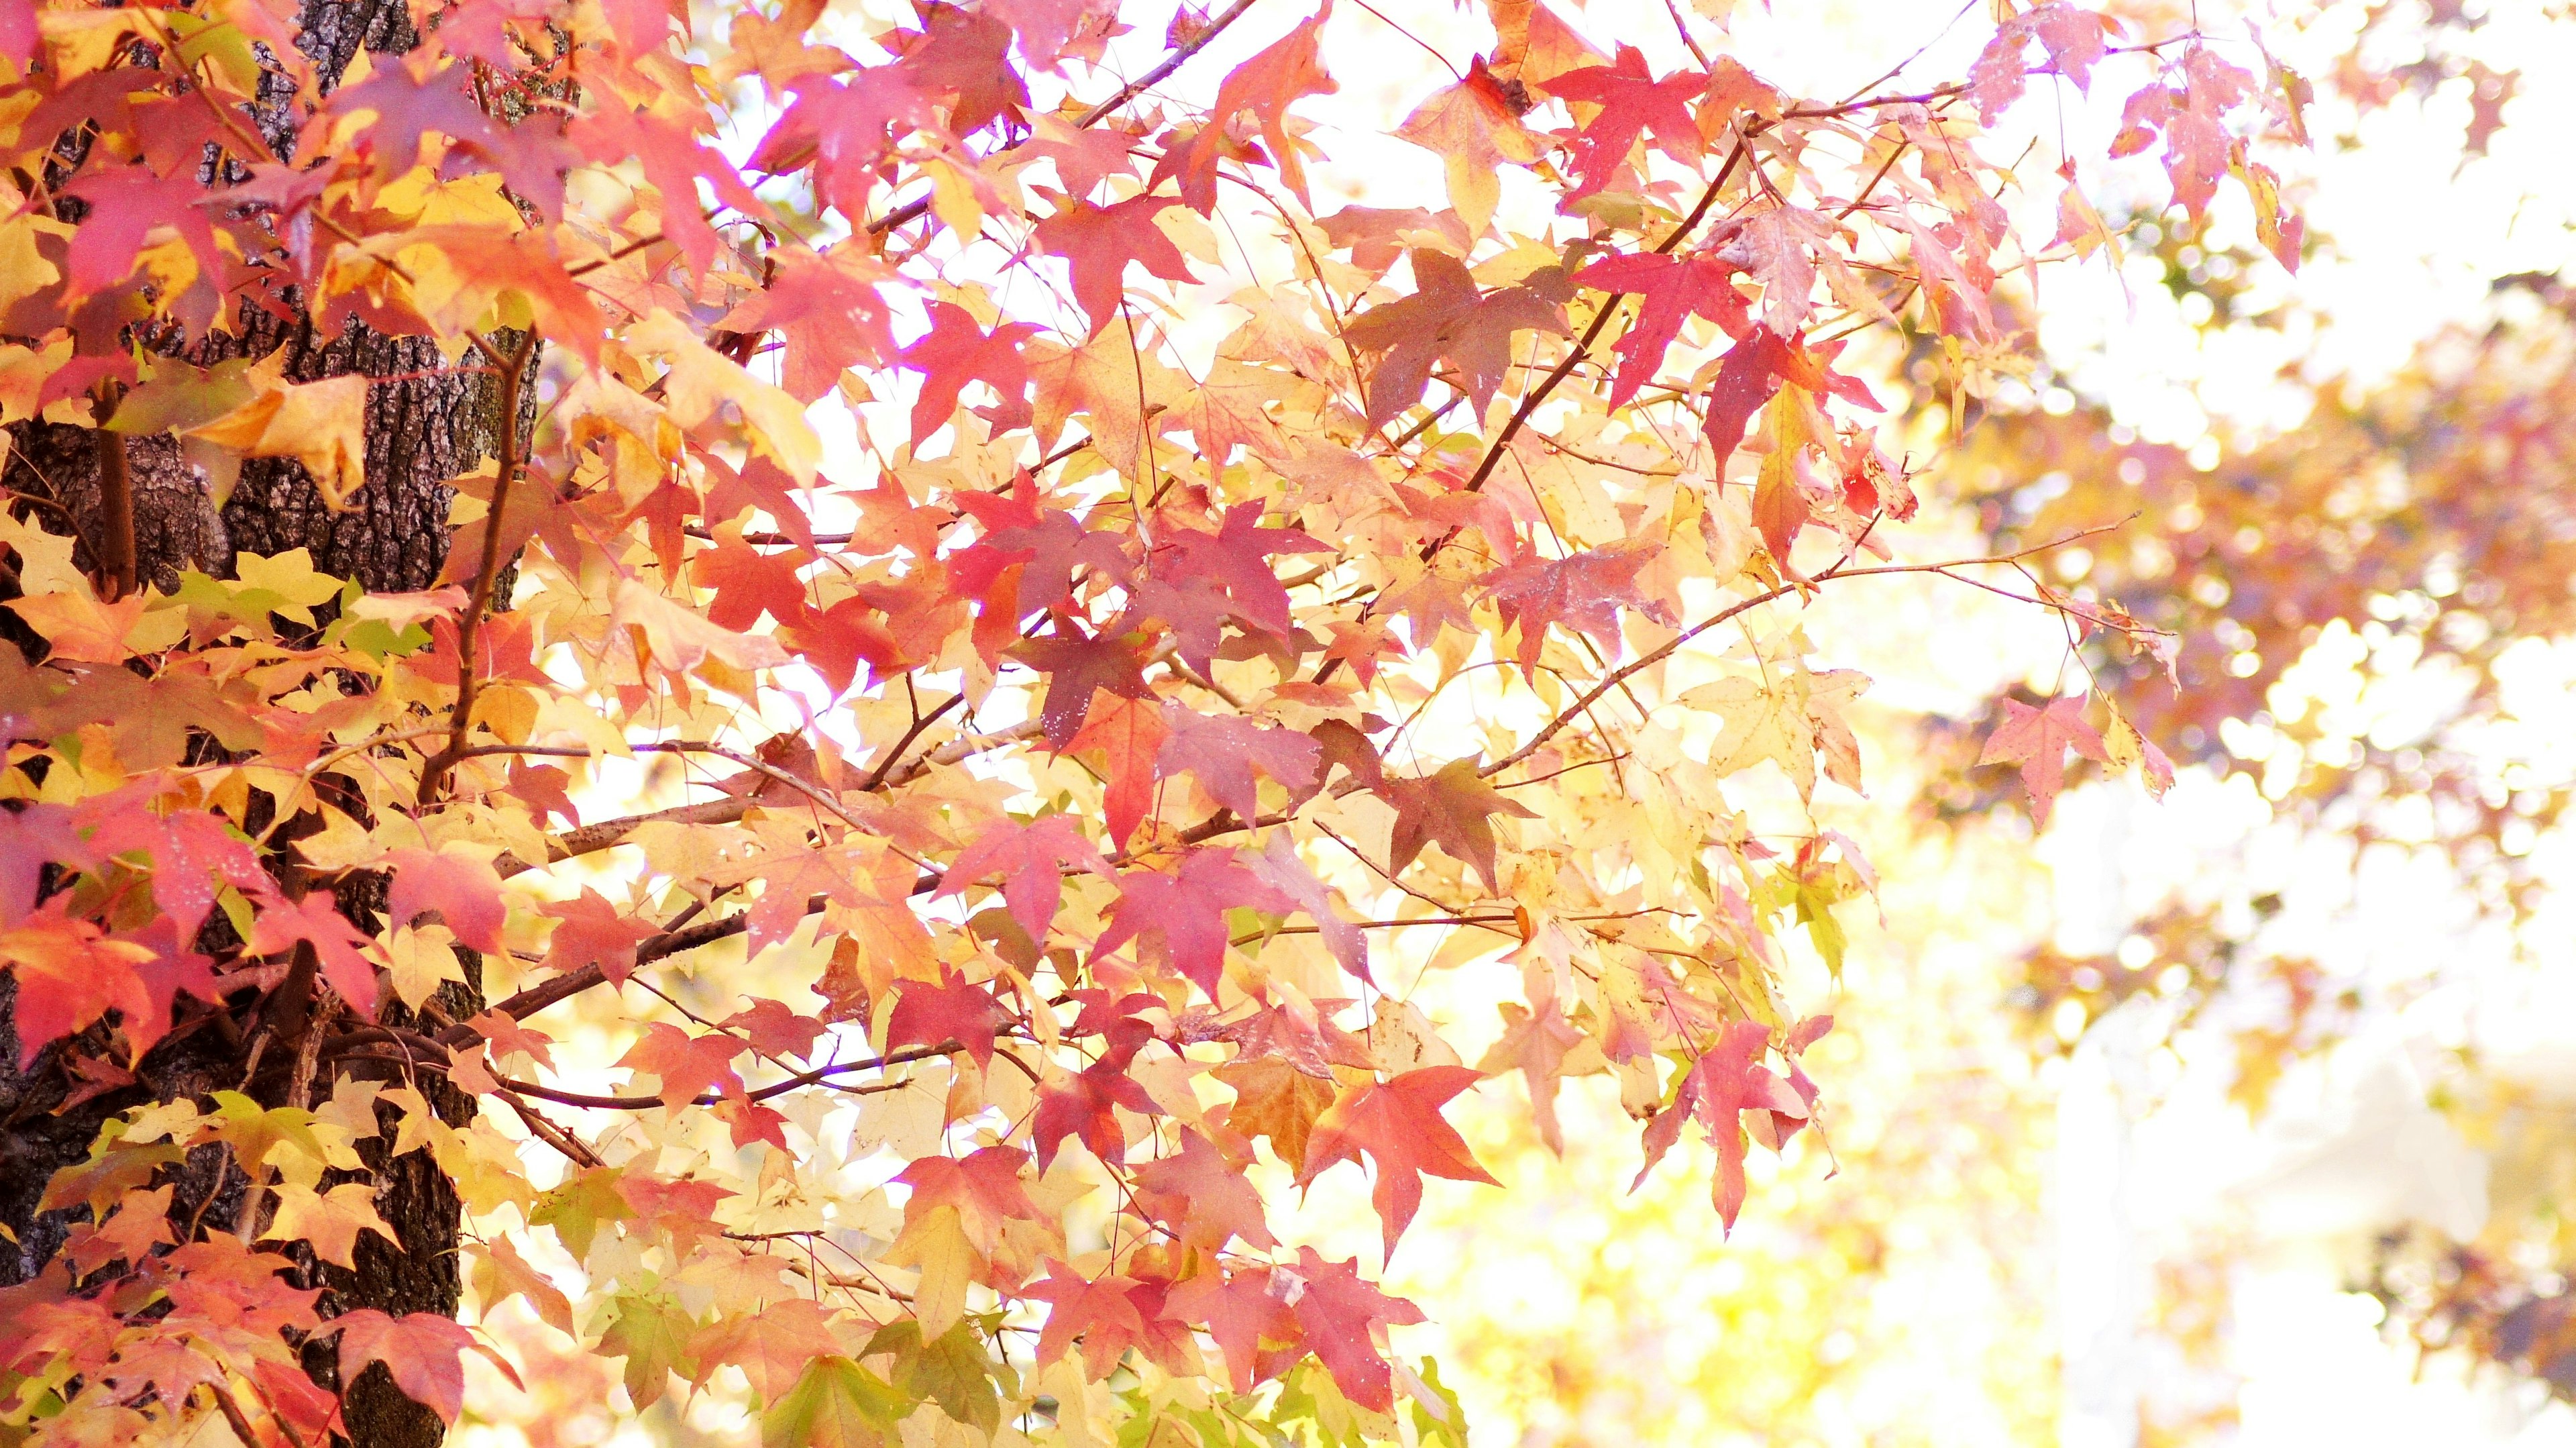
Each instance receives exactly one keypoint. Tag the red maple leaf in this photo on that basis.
(984, 1187)
(594, 933)
(1632, 103)
(1100, 1312)
(1129, 734)
(2070, 36)
(749, 583)
(193, 854)
(1202, 1194)
(1032, 858)
(964, 54)
(424, 1352)
(315, 920)
(31, 838)
(1084, 1105)
(844, 130)
(1224, 749)
(1674, 287)
(674, 160)
(1098, 243)
(687, 1065)
(827, 307)
(1399, 1128)
(1718, 1089)
(1187, 910)
(1237, 558)
(1345, 1318)
(125, 204)
(1583, 592)
(69, 974)
(1285, 71)
(953, 1010)
(464, 892)
(2038, 740)
(954, 352)
(1279, 867)
(1075, 665)
(773, 1029)
(1241, 1308)
(1746, 377)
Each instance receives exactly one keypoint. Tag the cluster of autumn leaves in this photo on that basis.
(1062, 767)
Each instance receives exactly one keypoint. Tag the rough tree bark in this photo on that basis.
(435, 424)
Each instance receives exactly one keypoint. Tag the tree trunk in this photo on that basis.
(435, 424)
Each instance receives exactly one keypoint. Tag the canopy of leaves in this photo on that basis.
(969, 742)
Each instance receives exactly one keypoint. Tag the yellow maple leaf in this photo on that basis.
(328, 1222)
(322, 425)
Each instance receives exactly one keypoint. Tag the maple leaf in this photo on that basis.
(674, 160)
(592, 932)
(2070, 36)
(952, 1010)
(1721, 1085)
(1274, 1099)
(1674, 287)
(1241, 1308)
(843, 129)
(1236, 558)
(1448, 318)
(328, 1222)
(315, 920)
(1032, 859)
(1537, 1041)
(835, 1404)
(954, 352)
(686, 1064)
(1454, 809)
(1203, 1196)
(464, 892)
(1224, 749)
(984, 1187)
(1098, 243)
(1078, 665)
(1398, 1127)
(1583, 591)
(773, 1029)
(424, 1352)
(1187, 910)
(1129, 735)
(125, 204)
(1746, 377)
(1345, 1317)
(1082, 1104)
(749, 583)
(828, 308)
(1632, 103)
(31, 838)
(771, 1346)
(1474, 129)
(2038, 739)
(1762, 721)
(500, 1273)
(68, 975)
(1279, 867)
(1284, 72)
(1101, 1312)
